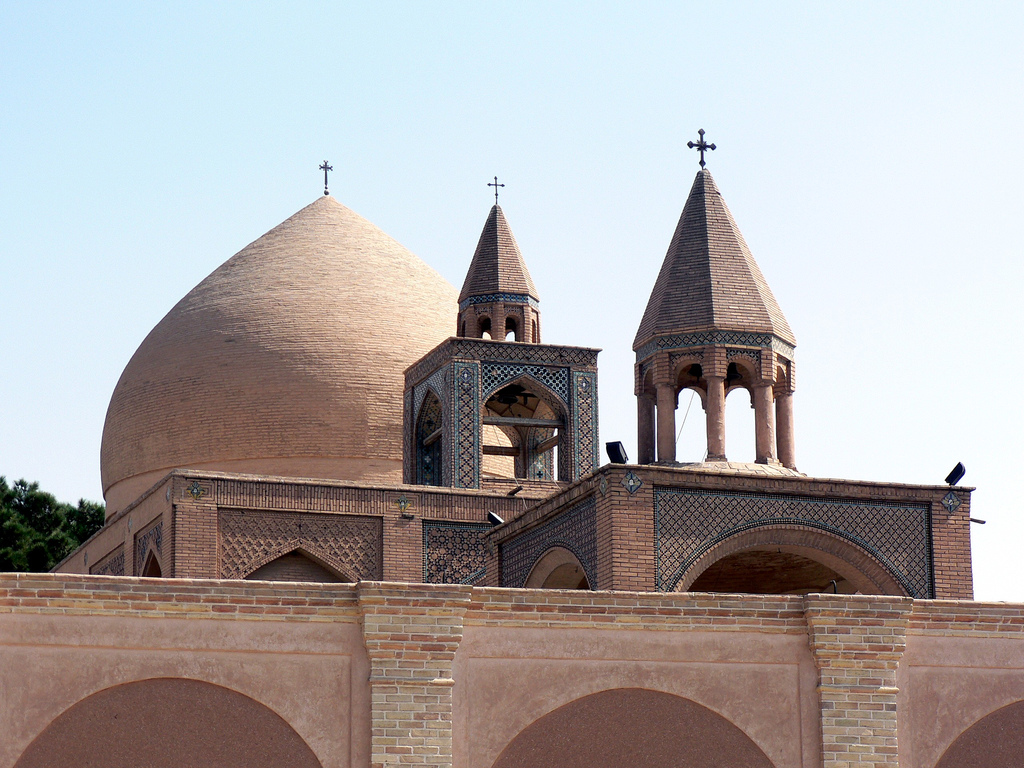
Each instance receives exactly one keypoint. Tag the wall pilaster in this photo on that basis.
(411, 634)
(857, 643)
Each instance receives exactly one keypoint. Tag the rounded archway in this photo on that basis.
(632, 727)
(814, 554)
(994, 741)
(558, 568)
(168, 723)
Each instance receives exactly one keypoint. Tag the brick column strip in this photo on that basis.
(764, 423)
(666, 422)
(411, 634)
(857, 642)
(645, 429)
(715, 408)
(784, 437)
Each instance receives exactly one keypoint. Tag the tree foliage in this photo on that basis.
(37, 531)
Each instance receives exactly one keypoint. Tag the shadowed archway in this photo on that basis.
(168, 723)
(994, 741)
(632, 728)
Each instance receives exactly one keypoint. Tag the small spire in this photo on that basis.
(325, 168)
(495, 185)
(701, 145)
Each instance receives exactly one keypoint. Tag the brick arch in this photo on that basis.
(632, 726)
(553, 558)
(994, 741)
(863, 569)
(307, 549)
(143, 723)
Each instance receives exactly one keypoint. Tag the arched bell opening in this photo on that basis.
(558, 568)
(429, 430)
(502, 451)
(485, 327)
(691, 418)
(740, 427)
(511, 329)
(526, 410)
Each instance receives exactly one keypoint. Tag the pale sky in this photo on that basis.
(870, 153)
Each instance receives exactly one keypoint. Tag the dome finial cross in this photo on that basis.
(325, 168)
(495, 185)
(700, 145)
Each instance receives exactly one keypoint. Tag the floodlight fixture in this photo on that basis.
(956, 475)
(617, 453)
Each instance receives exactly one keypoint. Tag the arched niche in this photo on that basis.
(632, 727)
(298, 565)
(558, 568)
(859, 571)
(429, 446)
(994, 741)
(152, 568)
(168, 723)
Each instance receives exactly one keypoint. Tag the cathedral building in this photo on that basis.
(358, 518)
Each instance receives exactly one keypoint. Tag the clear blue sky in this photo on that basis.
(870, 153)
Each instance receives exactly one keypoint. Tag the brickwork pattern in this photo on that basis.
(500, 351)
(857, 643)
(250, 539)
(111, 565)
(454, 553)
(575, 529)
(690, 522)
(496, 375)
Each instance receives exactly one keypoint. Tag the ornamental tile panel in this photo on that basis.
(467, 426)
(112, 564)
(575, 529)
(454, 553)
(689, 522)
(585, 435)
(144, 539)
(493, 376)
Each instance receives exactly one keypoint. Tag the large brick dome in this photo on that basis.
(287, 360)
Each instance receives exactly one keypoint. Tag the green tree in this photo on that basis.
(37, 531)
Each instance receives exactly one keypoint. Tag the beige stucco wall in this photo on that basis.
(392, 674)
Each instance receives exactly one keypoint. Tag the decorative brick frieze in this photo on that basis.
(575, 529)
(857, 643)
(454, 553)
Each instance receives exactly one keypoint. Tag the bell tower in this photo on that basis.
(498, 299)
(493, 405)
(712, 325)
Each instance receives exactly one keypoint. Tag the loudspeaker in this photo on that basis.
(617, 453)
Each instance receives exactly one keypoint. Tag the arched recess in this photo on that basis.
(558, 568)
(632, 727)
(534, 418)
(429, 446)
(169, 723)
(994, 741)
(298, 564)
(863, 571)
(152, 568)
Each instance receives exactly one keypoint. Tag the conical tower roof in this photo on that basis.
(497, 266)
(709, 279)
(287, 360)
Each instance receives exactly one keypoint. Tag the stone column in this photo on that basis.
(857, 642)
(784, 436)
(645, 429)
(411, 634)
(666, 422)
(764, 424)
(715, 411)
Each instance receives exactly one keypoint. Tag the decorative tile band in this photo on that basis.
(584, 428)
(708, 338)
(507, 298)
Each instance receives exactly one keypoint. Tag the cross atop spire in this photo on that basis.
(495, 185)
(325, 168)
(700, 145)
